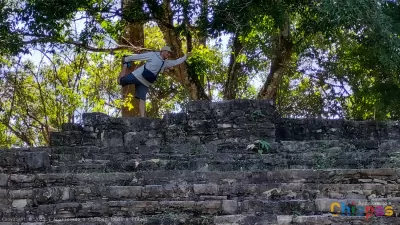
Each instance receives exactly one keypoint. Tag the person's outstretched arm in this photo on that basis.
(138, 57)
(171, 63)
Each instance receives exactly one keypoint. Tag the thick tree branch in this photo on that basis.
(87, 47)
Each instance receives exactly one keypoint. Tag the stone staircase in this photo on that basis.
(233, 162)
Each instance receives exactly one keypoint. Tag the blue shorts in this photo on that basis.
(140, 89)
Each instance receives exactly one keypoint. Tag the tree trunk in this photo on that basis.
(234, 69)
(181, 73)
(202, 35)
(280, 60)
(134, 34)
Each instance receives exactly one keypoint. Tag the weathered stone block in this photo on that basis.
(380, 181)
(112, 138)
(20, 178)
(35, 160)
(202, 189)
(3, 179)
(71, 127)
(211, 207)
(181, 148)
(153, 142)
(178, 205)
(142, 124)
(94, 119)
(324, 129)
(61, 208)
(201, 126)
(140, 206)
(229, 206)
(284, 219)
(153, 191)
(3, 193)
(135, 138)
(198, 106)
(66, 193)
(3, 200)
(221, 110)
(20, 194)
(175, 119)
(19, 203)
(85, 192)
(47, 195)
(33, 223)
(229, 219)
(8, 159)
(118, 192)
(72, 138)
(212, 197)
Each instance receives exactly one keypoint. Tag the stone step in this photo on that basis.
(157, 164)
(195, 147)
(242, 219)
(130, 208)
(339, 176)
(323, 194)
(290, 157)
(167, 219)
(11, 158)
(243, 162)
(354, 159)
(212, 212)
(306, 155)
(267, 162)
(345, 220)
(383, 148)
(184, 219)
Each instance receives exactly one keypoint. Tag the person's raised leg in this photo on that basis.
(142, 107)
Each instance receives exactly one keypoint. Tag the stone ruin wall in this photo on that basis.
(237, 121)
(210, 140)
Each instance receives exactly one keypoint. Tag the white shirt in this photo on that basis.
(153, 63)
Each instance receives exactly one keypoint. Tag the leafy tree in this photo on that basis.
(363, 33)
(38, 99)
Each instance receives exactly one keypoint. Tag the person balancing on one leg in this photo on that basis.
(145, 75)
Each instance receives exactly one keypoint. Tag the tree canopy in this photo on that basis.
(319, 59)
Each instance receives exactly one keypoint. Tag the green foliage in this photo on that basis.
(7, 139)
(32, 23)
(38, 99)
(10, 42)
(256, 114)
(133, 12)
(338, 47)
(344, 58)
(209, 67)
(154, 38)
(263, 146)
